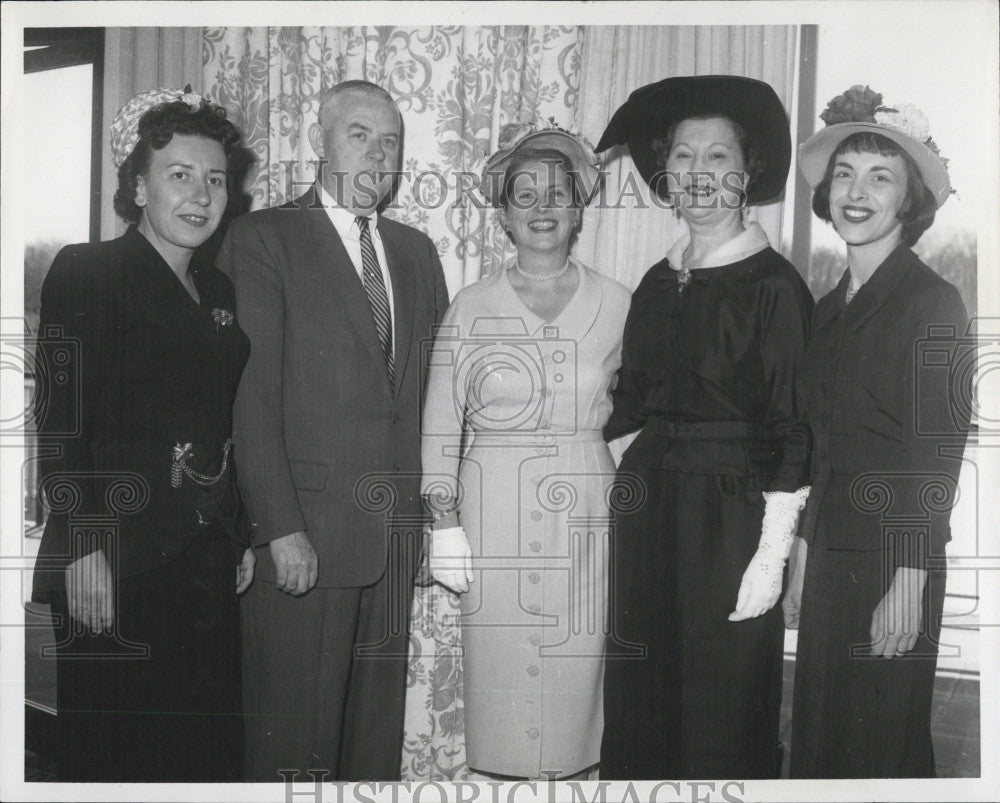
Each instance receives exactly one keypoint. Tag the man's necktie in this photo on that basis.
(377, 296)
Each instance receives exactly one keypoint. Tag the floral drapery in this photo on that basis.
(455, 86)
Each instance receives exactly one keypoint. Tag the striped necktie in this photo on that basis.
(377, 296)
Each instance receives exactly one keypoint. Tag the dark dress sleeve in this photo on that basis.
(629, 412)
(75, 340)
(785, 314)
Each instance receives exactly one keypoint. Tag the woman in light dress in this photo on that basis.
(517, 475)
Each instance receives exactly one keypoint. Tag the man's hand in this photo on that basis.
(90, 592)
(296, 563)
(244, 572)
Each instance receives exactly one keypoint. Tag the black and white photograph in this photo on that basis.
(504, 401)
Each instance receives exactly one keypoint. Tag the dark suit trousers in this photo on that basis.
(324, 679)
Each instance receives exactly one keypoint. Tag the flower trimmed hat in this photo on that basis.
(125, 127)
(540, 134)
(860, 109)
(652, 110)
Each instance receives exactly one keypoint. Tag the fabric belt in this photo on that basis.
(536, 437)
(742, 448)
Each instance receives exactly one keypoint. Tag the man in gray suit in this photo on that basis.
(336, 300)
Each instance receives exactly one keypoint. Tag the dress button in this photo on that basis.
(536, 515)
(533, 577)
(533, 671)
(533, 733)
(534, 641)
(536, 546)
(535, 608)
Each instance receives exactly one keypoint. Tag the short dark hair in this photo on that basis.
(754, 162)
(919, 207)
(548, 156)
(158, 126)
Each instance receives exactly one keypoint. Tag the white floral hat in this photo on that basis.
(860, 109)
(540, 134)
(125, 128)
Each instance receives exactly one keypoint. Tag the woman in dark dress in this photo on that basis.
(882, 483)
(144, 549)
(693, 676)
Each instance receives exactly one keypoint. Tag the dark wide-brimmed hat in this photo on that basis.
(651, 110)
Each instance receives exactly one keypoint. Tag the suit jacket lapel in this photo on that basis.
(403, 298)
(328, 255)
(874, 293)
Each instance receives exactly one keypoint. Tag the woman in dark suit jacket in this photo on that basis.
(144, 553)
(876, 522)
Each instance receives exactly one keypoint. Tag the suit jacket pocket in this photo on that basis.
(308, 475)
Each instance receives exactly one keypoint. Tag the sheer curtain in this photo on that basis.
(623, 242)
(136, 60)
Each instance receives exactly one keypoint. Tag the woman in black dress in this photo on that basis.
(693, 676)
(145, 549)
(882, 482)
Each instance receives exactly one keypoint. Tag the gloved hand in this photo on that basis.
(761, 586)
(450, 558)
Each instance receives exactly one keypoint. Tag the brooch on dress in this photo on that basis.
(222, 317)
(683, 279)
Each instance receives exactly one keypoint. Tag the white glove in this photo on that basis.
(450, 558)
(761, 586)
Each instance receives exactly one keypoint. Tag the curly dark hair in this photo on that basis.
(158, 126)
(919, 207)
(753, 160)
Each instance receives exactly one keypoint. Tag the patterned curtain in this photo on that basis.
(455, 86)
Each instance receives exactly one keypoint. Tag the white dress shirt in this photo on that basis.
(346, 225)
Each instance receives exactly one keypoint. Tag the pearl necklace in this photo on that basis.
(542, 276)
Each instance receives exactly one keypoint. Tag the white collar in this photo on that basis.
(340, 217)
(743, 245)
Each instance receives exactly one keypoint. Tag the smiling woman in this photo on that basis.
(876, 418)
(528, 373)
(145, 438)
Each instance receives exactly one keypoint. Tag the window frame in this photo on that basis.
(71, 47)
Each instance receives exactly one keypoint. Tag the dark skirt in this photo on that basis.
(704, 699)
(159, 699)
(854, 715)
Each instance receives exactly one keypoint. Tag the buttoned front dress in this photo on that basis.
(533, 485)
